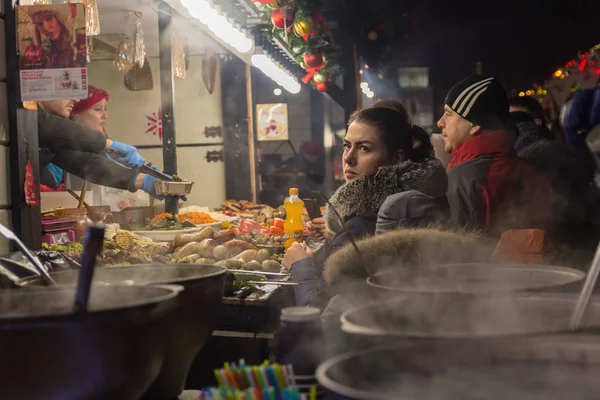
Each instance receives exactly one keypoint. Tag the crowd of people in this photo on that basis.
(502, 172)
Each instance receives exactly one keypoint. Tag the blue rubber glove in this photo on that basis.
(126, 155)
(149, 187)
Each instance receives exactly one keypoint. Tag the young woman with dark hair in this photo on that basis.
(379, 161)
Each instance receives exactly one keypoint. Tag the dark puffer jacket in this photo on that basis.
(490, 188)
(358, 203)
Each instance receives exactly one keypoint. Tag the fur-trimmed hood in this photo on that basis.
(364, 196)
(406, 248)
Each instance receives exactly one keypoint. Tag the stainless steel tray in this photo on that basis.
(173, 188)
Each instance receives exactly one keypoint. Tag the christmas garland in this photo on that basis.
(300, 25)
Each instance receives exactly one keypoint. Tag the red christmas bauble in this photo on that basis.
(282, 18)
(322, 86)
(313, 60)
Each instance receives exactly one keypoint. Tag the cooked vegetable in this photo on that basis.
(222, 263)
(206, 247)
(254, 266)
(206, 261)
(198, 218)
(190, 259)
(224, 236)
(247, 255)
(263, 255)
(220, 252)
(188, 250)
(271, 266)
(185, 238)
(235, 263)
(161, 217)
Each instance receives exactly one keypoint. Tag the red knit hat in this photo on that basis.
(94, 96)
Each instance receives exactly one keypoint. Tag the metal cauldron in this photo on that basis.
(474, 278)
(189, 327)
(548, 368)
(113, 351)
(467, 316)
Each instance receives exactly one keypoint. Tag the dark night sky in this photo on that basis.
(521, 42)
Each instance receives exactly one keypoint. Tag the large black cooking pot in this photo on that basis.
(473, 278)
(189, 327)
(548, 368)
(113, 351)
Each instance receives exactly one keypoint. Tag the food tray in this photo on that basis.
(173, 188)
(167, 236)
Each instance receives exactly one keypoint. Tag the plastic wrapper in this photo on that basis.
(179, 56)
(139, 45)
(92, 20)
(125, 58)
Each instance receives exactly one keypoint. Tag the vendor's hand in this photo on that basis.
(147, 184)
(126, 155)
(318, 228)
(297, 252)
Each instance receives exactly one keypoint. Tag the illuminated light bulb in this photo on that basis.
(277, 92)
(364, 85)
(361, 71)
(558, 73)
(366, 90)
(370, 95)
(521, 94)
(273, 71)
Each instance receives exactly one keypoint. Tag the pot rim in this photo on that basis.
(575, 275)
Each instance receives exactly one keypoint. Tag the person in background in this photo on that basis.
(80, 151)
(489, 187)
(532, 107)
(579, 116)
(439, 147)
(528, 120)
(379, 161)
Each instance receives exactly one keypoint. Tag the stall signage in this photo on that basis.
(52, 52)
(272, 122)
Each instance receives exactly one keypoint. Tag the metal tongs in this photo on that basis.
(593, 142)
(10, 235)
(156, 174)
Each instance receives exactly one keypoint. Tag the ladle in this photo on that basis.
(94, 241)
(10, 235)
(593, 142)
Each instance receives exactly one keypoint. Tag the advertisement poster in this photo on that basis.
(52, 51)
(272, 122)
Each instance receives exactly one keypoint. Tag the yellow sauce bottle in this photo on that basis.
(293, 225)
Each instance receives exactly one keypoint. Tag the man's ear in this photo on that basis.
(475, 129)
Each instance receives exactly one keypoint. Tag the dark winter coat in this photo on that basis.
(490, 188)
(80, 151)
(575, 198)
(358, 203)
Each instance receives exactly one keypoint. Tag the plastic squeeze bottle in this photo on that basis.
(293, 225)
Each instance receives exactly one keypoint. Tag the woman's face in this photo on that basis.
(49, 26)
(364, 151)
(94, 117)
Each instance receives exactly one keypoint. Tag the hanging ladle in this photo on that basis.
(593, 142)
(8, 234)
(94, 241)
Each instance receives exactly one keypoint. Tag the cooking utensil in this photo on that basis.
(173, 188)
(157, 174)
(544, 368)
(267, 282)
(189, 326)
(241, 274)
(76, 197)
(83, 193)
(593, 142)
(472, 278)
(94, 242)
(9, 235)
(446, 316)
(113, 351)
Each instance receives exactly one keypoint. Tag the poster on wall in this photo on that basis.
(52, 51)
(272, 122)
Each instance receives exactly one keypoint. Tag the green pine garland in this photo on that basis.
(297, 46)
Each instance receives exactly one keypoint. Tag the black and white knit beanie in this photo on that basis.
(479, 99)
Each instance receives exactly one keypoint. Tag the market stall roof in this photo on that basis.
(116, 22)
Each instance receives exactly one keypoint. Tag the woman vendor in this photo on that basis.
(84, 156)
(379, 161)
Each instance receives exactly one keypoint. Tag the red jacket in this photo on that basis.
(490, 188)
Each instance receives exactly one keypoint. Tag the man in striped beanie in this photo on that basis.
(489, 187)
